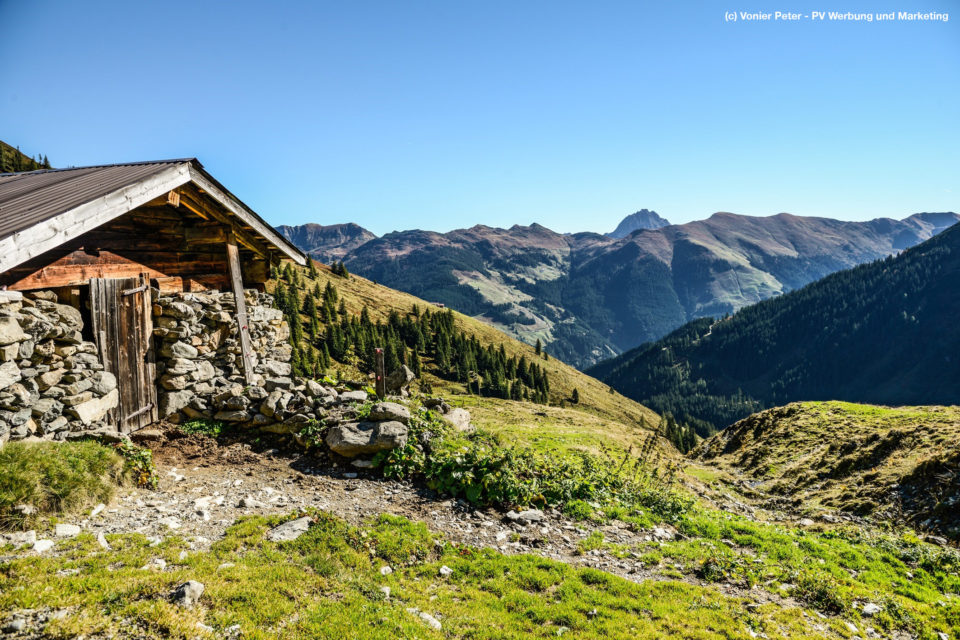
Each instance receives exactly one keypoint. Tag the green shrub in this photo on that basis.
(138, 462)
(56, 477)
(212, 428)
(485, 472)
(820, 591)
(578, 510)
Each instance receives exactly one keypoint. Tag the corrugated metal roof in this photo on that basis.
(32, 197)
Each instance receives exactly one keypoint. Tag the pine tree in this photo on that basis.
(415, 364)
(539, 347)
(312, 272)
(575, 396)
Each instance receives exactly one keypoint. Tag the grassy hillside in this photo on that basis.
(884, 333)
(893, 463)
(12, 160)
(600, 418)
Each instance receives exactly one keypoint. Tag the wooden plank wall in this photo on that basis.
(163, 242)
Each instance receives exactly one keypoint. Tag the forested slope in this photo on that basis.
(884, 332)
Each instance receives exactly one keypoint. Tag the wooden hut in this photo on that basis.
(100, 236)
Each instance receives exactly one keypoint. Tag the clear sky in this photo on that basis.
(438, 115)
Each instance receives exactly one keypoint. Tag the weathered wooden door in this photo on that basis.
(123, 329)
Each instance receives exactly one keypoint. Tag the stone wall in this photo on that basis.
(52, 383)
(199, 362)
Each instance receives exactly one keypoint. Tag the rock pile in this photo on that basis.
(52, 383)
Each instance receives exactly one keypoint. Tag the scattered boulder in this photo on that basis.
(289, 530)
(363, 438)
(399, 380)
(460, 419)
(67, 530)
(426, 617)
(187, 594)
(389, 411)
(871, 609)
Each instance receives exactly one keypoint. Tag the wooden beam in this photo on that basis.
(238, 209)
(196, 204)
(236, 279)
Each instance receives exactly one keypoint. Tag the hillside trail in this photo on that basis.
(205, 485)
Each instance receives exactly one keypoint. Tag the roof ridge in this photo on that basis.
(103, 166)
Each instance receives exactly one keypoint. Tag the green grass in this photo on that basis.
(56, 478)
(891, 462)
(327, 584)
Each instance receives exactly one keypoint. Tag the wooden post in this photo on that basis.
(381, 378)
(236, 280)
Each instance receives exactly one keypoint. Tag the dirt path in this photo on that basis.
(206, 486)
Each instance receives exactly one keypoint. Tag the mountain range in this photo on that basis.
(883, 333)
(588, 296)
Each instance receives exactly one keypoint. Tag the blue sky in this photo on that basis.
(439, 115)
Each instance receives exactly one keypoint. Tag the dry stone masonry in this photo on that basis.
(52, 383)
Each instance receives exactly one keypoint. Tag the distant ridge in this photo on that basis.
(587, 296)
(326, 243)
(643, 219)
(882, 333)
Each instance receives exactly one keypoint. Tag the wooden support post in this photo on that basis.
(236, 280)
(381, 386)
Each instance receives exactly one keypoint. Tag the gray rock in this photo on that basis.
(187, 594)
(277, 369)
(289, 530)
(525, 517)
(47, 409)
(103, 382)
(175, 401)
(353, 396)
(179, 310)
(459, 418)
(50, 378)
(233, 416)
(205, 371)
(269, 406)
(69, 316)
(27, 348)
(78, 387)
(426, 617)
(66, 530)
(272, 384)
(9, 373)
(11, 331)
(19, 538)
(400, 379)
(93, 410)
(180, 366)
(871, 609)
(10, 352)
(80, 398)
(352, 438)
(389, 411)
(179, 350)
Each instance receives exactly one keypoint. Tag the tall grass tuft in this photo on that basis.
(55, 478)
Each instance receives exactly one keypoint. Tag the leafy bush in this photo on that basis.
(56, 477)
(485, 472)
(138, 462)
